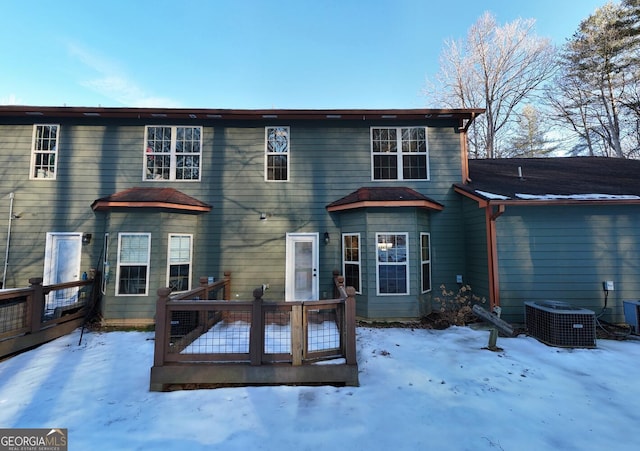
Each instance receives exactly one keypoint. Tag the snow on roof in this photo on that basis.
(574, 196)
(491, 195)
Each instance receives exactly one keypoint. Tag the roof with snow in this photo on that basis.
(570, 179)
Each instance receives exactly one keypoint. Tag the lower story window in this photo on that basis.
(425, 261)
(392, 264)
(351, 260)
(133, 263)
(179, 271)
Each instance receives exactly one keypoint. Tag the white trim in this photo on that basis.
(291, 239)
(399, 154)
(404, 263)
(32, 164)
(267, 154)
(358, 262)
(106, 267)
(148, 263)
(190, 262)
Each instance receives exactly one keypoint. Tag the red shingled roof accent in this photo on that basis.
(168, 198)
(384, 197)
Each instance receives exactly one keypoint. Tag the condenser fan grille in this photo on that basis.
(558, 323)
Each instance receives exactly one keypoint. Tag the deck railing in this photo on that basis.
(220, 342)
(39, 313)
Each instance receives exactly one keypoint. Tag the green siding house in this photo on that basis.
(553, 229)
(161, 197)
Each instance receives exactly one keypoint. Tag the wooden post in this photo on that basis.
(163, 326)
(297, 335)
(256, 333)
(37, 304)
(227, 286)
(350, 326)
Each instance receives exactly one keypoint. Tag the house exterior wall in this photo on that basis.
(328, 160)
(476, 273)
(565, 253)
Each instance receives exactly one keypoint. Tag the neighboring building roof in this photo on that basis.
(200, 114)
(384, 197)
(553, 180)
(167, 198)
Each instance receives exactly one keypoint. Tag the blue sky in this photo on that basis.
(244, 53)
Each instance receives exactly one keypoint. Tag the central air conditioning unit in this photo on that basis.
(557, 323)
(632, 315)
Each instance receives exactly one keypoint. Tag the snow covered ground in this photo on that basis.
(419, 389)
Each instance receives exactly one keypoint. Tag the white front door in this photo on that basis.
(62, 264)
(302, 267)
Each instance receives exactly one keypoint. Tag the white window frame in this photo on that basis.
(399, 153)
(179, 262)
(425, 262)
(268, 154)
(404, 263)
(106, 267)
(33, 169)
(357, 262)
(146, 263)
(173, 155)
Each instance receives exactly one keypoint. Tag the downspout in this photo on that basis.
(6, 253)
(492, 253)
(464, 148)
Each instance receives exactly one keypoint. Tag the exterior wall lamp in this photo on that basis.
(327, 238)
(86, 238)
(263, 216)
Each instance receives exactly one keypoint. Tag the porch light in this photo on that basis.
(263, 216)
(327, 238)
(86, 238)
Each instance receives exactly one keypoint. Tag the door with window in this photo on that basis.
(62, 264)
(301, 283)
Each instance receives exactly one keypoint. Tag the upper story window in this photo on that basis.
(44, 154)
(276, 161)
(172, 153)
(399, 153)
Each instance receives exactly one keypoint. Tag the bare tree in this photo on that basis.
(496, 68)
(596, 92)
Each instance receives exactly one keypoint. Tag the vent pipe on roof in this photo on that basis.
(520, 172)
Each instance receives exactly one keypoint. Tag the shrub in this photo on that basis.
(455, 308)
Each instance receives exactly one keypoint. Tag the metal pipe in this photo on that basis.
(6, 253)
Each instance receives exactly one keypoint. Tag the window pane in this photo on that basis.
(179, 277)
(351, 248)
(133, 280)
(352, 276)
(392, 279)
(277, 140)
(385, 167)
(158, 139)
(134, 249)
(426, 277)
(180, 249)
(414, 167)
(384, 140)
(424, 245)
(392, 248)
(276, 167)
